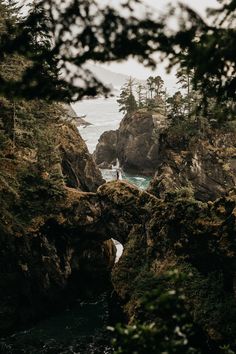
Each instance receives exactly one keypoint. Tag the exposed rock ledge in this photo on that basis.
(78, 166)
(144, 144)
(58, 250)
(206, 166)
(135, 143)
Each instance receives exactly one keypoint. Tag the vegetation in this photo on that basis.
(169, 328)
(127, 100)
(185, 110)
(165, 324)
(149, 96)
(38, 54)
(105, 35)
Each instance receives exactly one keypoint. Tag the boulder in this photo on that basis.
(135, 143)
(205, 165)
(78, 167)
(105, 153)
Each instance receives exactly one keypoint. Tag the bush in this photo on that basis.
(170, 327)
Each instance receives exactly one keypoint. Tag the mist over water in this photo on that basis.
(104, 115)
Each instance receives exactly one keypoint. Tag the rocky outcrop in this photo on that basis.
(106, 151)
(52, 251)
(64, 249)
(135, 143)
(78, 166)
(45, 262)
(178, 156)
(55, 240)
(205, 166)
(178, 233)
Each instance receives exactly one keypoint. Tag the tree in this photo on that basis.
(104, 35)
(151, 86)
(207, 48)
(170, 327)
(176, 107)
(127, 100)
(141, 95)
(159, 84)
(58, 48)
(185, 79)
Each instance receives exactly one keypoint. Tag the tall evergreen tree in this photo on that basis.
(140, 90)
(127, 101)
(176, 107)
(159, 85)
(151, 86)
(185, 79)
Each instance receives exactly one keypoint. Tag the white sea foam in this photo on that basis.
(104, 115)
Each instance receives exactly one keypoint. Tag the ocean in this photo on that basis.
(103, 114)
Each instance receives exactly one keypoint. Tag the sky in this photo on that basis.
(133, 68)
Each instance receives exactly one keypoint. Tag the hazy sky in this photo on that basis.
(131, 67)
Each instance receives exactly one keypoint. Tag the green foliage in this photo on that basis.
(166, 324)
(183, 129)
(141, 96)
(170, 330)
(205, 50)
(106, 35)
(127, 101)
(180, 194)
(176, 107)
(38, 192)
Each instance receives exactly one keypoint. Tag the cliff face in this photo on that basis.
(44, 261)
(144, 144)
(106, 151)
(204, 165)
(180, 233)
(60, 246)
(135, 143)
(55, 240)
(78, 166)
(51, 254)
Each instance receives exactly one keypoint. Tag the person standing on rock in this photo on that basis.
(118, 174)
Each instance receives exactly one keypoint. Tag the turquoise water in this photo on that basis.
(141, 182)
(104, 115)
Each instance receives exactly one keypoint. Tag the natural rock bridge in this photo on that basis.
(67, 251)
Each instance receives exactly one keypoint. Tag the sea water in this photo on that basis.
(104, 115)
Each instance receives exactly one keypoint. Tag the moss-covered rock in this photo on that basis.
(49, 253)
(204, 164)
(197, 239)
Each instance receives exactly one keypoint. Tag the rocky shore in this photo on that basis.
(146, 144)
(56, 229)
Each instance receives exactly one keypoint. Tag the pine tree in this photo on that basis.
(127, 101)
(185, 77)
(151, 86)
(159, 85)
(176, 107)
(141, 95)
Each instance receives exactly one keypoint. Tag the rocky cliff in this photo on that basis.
(204, 165)
(44, 261)
(135, 143)
(178, 156)
(55, 233)
(178, 233)
(78, 166)
(57, 244)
